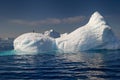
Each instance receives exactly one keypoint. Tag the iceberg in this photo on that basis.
(34, 42)
(6, 44)
(52, 33)
(96, 34)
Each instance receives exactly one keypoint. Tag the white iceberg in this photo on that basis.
(52, 33)
(96, 34)
(6, 43)
(34, 42)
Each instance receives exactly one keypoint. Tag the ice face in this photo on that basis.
(96, 18)
(96, 34)
(34, 42)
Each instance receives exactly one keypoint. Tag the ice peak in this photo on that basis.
(96, 14)
(52, 30)
(52, 33)
(96, 18)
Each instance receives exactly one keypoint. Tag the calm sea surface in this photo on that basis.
(94, 65)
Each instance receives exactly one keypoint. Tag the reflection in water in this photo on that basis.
(24, 60)
(71, 66)
(90, 63)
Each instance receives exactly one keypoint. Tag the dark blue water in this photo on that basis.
(100, 65)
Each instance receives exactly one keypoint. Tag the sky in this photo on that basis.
(22, 16)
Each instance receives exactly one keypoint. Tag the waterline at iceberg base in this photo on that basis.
(95, 35)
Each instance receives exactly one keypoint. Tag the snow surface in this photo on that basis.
(96, 34)
(34, 42)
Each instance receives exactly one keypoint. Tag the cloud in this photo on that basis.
(75, 19)
(49, 21)
(21, 22)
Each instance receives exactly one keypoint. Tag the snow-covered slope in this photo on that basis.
(34, 42)
(96, 34)
(52, 33)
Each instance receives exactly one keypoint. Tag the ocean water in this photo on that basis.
(92, 65)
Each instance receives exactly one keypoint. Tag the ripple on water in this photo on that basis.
(61, 66)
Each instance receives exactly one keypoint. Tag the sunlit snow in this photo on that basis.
(96, 34)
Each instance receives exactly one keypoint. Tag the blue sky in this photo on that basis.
(20, 16)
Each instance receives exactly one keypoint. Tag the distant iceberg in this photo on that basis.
(6, 44)
(96, 34)
(52, 33)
